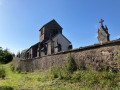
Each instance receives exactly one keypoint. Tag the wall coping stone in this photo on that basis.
(82, 48)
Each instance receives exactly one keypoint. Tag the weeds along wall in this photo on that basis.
(94, 57)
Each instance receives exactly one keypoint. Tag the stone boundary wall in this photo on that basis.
(92, 57)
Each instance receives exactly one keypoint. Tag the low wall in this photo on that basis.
(92, 57)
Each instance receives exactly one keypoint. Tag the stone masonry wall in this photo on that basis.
(92, 57)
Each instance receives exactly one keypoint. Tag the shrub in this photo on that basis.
(12, 67)
(6, 88)
(2, 60)
(60, 73)
(2, 73)
(55, 72)
(64, 72)
(18, 69)
(76, 76)
(8, 57)
(70, 64)
(117, 61)
(81, 65)
(1, 51)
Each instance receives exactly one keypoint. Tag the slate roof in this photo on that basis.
(33, 46)
(50, 22)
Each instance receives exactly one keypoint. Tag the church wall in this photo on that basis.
(53, 25)
(92, 57)
(42, 34)
(41, 38)
(61, 40)
(34, 50)
(49, 29)
(42, 53)
(49, 48)
(29, 53)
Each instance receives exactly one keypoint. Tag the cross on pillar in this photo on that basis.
(101, 21)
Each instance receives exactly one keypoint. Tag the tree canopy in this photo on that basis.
(5, 56)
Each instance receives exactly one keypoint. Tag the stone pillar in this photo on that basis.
(38, 52)
(56, 49)
(50, 48)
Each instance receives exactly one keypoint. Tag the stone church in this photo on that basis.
(51, 41)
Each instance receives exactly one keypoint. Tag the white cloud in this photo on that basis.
(117, 37)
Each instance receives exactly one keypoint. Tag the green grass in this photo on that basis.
(59, 79)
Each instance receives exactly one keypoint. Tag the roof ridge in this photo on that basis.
(50, 22)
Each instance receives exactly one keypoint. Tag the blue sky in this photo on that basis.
(20, 20)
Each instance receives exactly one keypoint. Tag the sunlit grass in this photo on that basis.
(79, 79)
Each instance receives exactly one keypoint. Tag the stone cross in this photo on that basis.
(101, 21)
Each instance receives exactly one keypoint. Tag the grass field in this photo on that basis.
(59, 79)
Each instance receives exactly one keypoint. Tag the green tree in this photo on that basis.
(5, 56)
(1, 51)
